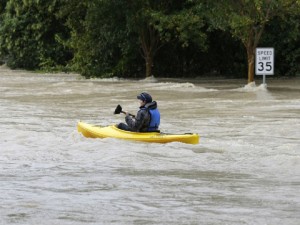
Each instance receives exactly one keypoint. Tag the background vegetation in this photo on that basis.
(140, 38)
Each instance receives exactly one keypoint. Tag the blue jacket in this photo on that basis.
(147, 118)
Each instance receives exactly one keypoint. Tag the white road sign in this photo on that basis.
(264, 63)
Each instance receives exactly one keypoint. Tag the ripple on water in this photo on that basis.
(245, 170)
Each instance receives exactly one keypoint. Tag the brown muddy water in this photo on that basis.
(245, 170)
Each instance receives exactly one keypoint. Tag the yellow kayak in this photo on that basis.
(95, 131)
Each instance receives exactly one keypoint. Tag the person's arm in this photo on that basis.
(137, 123)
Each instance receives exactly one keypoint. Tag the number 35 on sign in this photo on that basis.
(264, 64)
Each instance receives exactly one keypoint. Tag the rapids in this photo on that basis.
(245, 170)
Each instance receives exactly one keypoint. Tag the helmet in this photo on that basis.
(145, 97)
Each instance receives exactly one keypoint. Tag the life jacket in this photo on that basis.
(154, 119)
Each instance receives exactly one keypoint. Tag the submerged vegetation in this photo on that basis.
(138, 38)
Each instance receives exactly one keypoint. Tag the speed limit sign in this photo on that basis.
(264, 64)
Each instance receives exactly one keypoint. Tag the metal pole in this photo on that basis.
(264, 79)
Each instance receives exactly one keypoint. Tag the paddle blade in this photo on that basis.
(118, 110)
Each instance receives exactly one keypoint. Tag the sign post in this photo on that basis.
(264, 63)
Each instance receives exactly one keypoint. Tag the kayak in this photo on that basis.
(96, 131)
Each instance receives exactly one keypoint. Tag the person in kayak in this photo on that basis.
(147, 118)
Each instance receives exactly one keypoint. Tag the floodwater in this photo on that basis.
(245, 170)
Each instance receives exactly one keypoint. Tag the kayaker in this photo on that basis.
(147, 118)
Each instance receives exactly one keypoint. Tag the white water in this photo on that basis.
(246, 169)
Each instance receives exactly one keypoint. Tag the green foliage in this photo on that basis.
(246, 20)
(113, 45)
(284, 35)
(107, 38)
(218, 60)
(158, 23)
(27, 35)
(185, 26)
(98, 37)
(2, 6)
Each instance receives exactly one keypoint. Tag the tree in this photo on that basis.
(2, 5)
(246, 20)
(284, 34)
(107, 36)
(100, 39)
(29, 34)
(159, 22)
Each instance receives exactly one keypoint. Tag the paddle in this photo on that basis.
(118, 110)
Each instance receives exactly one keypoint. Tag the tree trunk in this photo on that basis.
(254, 34)
(149, 38)
(250, 57)
(149, 62)
(250, 46)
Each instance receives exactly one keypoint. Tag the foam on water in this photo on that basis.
(244, 171)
